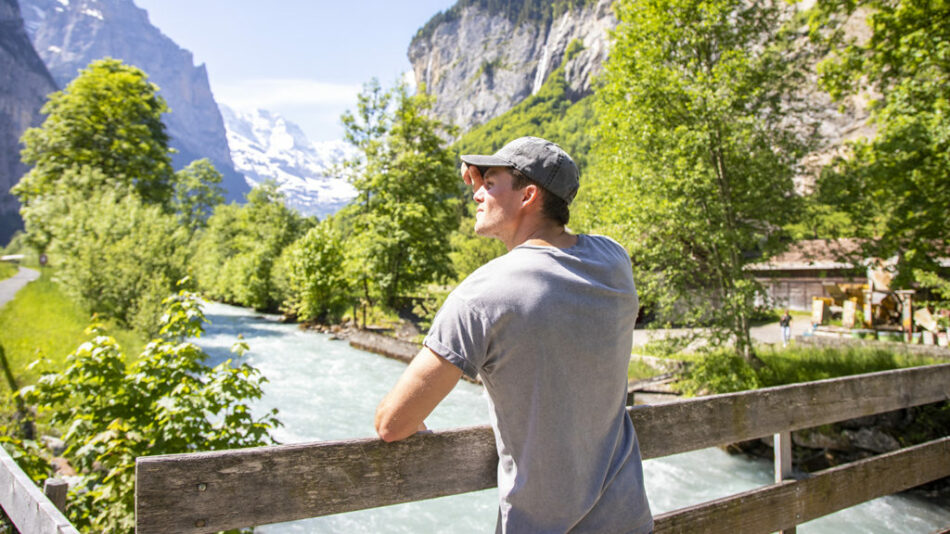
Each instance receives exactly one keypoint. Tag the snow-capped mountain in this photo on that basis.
(266, 146)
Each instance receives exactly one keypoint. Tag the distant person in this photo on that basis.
(548, 328)
(786, 323)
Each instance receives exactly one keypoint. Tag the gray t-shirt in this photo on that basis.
(549, 332)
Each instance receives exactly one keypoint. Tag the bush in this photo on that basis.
(721, 371)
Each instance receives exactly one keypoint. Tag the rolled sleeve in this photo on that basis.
(459, 335)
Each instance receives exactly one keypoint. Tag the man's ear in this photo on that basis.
(530, 195)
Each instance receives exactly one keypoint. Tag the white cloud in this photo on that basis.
(276, 93)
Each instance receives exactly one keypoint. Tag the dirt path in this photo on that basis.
(10, 286)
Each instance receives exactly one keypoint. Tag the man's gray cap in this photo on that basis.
(538, 159)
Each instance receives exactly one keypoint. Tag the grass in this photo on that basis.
(638, 370)
(721, 371)
(42, 322)
(7, 270)
(804, 364)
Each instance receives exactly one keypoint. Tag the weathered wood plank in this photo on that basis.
(702, 422)
(208, 492)
(307, 480)
(25, 504)
(790, 503)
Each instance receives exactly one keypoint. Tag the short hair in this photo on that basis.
(552, 206)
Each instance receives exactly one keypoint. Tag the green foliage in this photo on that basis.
(28, 454)
(407, 188)
(719, 371)
(312, 273)
(895, 186)
(817, 220)
(119, 257)
(939, 285)
(109, 119)
(695, 158)
(197, 193)
(169, 401)
(236, 253)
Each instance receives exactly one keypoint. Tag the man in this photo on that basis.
(548, 328)
(786, 323)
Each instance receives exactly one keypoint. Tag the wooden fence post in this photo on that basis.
(55, 490)
(782, 446)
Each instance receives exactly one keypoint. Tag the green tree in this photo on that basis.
(169, 401)
(197, 192)
(118, 256)
(235, 255)
(108, 118)
(407, 200)
(312, 271)
(896, 185)
(695, 161)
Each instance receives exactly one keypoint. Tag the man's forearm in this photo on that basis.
(427, 380)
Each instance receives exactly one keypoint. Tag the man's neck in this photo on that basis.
(546, 234)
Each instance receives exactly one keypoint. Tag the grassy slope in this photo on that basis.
(42, 322)
(7, 270)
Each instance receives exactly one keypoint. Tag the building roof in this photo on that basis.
(813, 254)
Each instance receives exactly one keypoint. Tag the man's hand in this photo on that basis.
(472, 176)
(427, 380)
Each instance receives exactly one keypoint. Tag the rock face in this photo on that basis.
(266, 146)
(24, 84)
(480, 64)
(69, 34)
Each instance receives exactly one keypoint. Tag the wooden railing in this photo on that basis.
(207, 492)
(27, 506)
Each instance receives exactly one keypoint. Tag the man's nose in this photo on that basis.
(479, 194)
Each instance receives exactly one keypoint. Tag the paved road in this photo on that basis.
(768, 333)
(10, 286)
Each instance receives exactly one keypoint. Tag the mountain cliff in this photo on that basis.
(266, 146)
(69, 34)
(479, 59)
(24, 84)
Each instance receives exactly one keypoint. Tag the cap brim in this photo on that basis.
(485, 161)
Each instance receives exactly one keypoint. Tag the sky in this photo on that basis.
(304, 59)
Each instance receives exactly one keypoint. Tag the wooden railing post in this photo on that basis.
(55, 490)
(782, 446)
